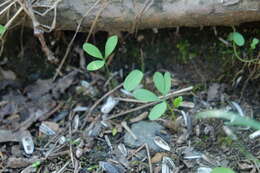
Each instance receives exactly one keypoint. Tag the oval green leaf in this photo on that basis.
(95, 65)
(2, 29)
(222, 170)
(145, 95)
(237, 38)
(157, 111)
(110, 45)
(92, 50)
(133, 79)
(254, 42)
(159, 83)
(168, 82)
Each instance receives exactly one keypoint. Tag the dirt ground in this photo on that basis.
(51, 120)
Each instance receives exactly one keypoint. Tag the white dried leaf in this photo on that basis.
(76, 123)
(85, 84)
(109, 105)
(255, 134)
(123, 149)
(62, 140)
(168, 165)
(28, 144)
(125, 92)
(90, 89)
(190, 153)
(161, 143)
(79, 152)
(80, 109)
(45, 129)
(204, 170)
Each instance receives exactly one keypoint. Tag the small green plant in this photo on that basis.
(176, 103)
(238, 39)
(222, 170)
(95, 52)
(36, 164)
(2, 29)
(184, 48)
(162, 83)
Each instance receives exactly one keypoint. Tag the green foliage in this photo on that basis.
(162, 84)
(158, 110)
(95, 65)
(36, 164)
(237, 38)
(184, 49)
(95, 52)
(234, 119)
(2, 29)
(93, 167)
(177, 102)
(114, 131)
(145, 95)
(92, 50)
(254, 43)
(133, 80)
(222, 170)
(110, 45)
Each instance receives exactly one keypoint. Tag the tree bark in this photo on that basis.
(130, 15)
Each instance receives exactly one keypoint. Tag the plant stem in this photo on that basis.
(241, 59)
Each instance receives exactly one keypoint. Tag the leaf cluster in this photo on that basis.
(239, 40)
(162, 83)
(95, 52)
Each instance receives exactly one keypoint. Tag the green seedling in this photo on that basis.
(36, 164)
(177, 102)
(254, 43)
(114, 131)
(162, 84)
(2, 30)
(93, 167)
(222, 170)
(95, 52)
(238, 39)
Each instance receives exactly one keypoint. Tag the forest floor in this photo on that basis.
(52, 120)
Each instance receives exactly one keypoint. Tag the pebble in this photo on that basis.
(145, 132)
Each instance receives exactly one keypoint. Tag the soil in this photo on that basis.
(79, 139)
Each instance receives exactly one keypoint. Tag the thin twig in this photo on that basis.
(176, 93)
(10, 21)
(95, 21)
(72, 40)
(124, 125)
(149, 158)
(7, 7)
(136, 151)
(65, 165)
(99, 101)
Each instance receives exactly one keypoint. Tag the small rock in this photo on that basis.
(145, 133)
(213, 92)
